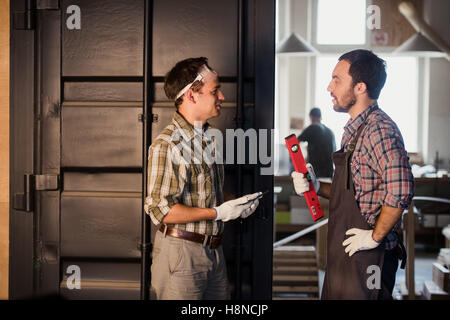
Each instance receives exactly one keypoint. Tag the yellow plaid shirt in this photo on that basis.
(172, 179)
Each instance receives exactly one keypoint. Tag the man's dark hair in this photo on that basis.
(315, 112)
(183, 73)
(366, 67)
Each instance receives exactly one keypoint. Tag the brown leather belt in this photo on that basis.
(212, 241)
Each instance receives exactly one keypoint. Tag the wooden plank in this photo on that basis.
(431, 291)
(321, 237)
(296, 289)
(4, 147)
(294, 255)
(293, 252)
(409, 221)
(295, 298)
(295, 268)
(295, 280)
(405, 292)
(441, 277)
(282, 259)
(287, 270)
(295, 249)
(290, 262)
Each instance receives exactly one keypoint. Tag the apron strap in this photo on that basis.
(351, 149)
(349, 155)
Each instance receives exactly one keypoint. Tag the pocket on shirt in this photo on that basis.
(200, 187)
(200, 176)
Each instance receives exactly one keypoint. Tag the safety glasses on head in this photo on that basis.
(204, 74)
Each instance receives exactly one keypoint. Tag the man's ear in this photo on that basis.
(360, 88)
(190, 96)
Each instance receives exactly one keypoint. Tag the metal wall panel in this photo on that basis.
(100, 225)
(103, 91)
(102, 291)
(102, 182)
(110, 41)
(196, 28)
(101, 136)
(101, 280)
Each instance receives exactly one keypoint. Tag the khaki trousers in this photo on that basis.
(186, 270)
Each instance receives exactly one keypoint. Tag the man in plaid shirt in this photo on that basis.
(185, 191)
(372, 186)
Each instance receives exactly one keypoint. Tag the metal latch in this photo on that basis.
(44, 182)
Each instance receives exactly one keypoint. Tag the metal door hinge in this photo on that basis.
(142, 117)
(43, 182)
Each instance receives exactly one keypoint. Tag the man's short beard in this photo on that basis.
(339, 108)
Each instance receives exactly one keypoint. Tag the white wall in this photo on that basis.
(436, 14)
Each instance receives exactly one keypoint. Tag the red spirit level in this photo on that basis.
(300, 166)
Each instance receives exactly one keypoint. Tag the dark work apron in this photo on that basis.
(346, 277)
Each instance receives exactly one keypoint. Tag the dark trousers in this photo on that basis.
(388, 273)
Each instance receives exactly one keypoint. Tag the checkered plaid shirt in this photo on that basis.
(174, 178)
(380, 167)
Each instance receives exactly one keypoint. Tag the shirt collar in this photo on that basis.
(187, 130)
(353, 124)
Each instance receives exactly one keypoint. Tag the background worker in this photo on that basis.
(321, 144)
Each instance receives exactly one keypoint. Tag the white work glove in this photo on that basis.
(361, 240)
(240, 207)
(301, 184)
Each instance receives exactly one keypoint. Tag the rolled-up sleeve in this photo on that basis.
(394, 165)
(165, 182)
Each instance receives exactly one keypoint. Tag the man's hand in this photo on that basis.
(361, 240)
(240, 207)
(301, 184)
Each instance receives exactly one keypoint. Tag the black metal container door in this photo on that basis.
(101, 147)
(80, 146)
